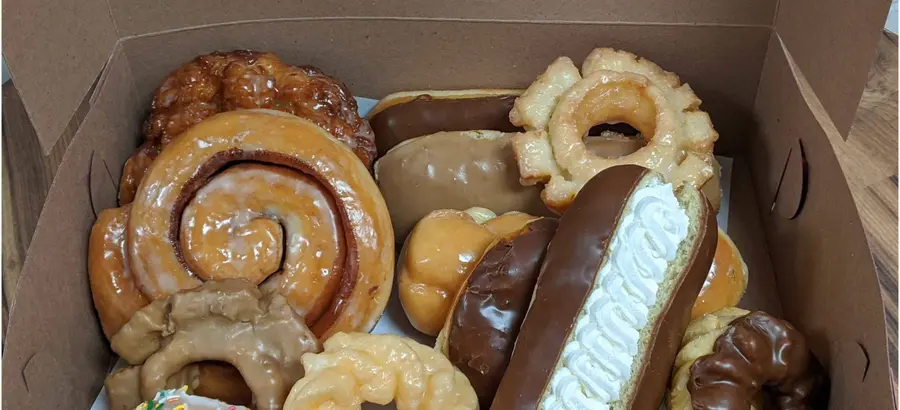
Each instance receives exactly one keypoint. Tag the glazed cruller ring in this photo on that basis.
(561, 106)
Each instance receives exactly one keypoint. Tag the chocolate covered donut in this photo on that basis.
(732, 356)
(480, 331)
(614, 296)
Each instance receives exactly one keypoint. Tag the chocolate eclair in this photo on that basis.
(409, 114)
(482, 326)
(614, 296)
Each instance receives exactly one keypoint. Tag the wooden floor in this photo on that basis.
(868, 157)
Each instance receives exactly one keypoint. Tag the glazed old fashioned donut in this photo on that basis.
(237, 80)
(728, 357)
(229, 321)
(561, 106)
(355, 368)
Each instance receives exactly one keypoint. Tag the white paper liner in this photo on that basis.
(394, 319)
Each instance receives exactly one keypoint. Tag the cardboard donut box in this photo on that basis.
(93, 64)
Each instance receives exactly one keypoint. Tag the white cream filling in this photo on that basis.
(597, 358)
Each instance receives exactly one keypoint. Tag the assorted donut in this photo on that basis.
(556, 246)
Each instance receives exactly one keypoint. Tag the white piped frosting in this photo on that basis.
(597, 359)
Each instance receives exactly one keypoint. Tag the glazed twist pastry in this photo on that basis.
(356, 367)
(236, 80)
(439, 254)
(561, 106)
(729, 356)
(229, 321)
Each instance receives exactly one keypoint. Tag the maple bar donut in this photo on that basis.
(356, 368)
(237, 80)
(613, 297)
(440, 253)
(561, 106)
(730, 356)
(229, 321)
(459, 170)
(727, 280)
(483, 324)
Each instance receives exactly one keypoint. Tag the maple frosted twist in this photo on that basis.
(562, 105)
(360, 367)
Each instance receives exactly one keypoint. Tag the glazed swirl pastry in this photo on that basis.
(561, 106)
(730, 356)
(304, 219)
(357, 367)
(237, 80)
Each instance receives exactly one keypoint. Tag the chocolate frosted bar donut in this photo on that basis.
(405, 115)
(614, 296)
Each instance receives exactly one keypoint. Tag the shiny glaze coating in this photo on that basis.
(320, 201)
(490, 307)
(757, 351)
(185, 166)
(561, 106)
(263, 222)
(221, 81)
(355, 368)
(113, 288)
(439, 254)
(229, 321)
(726, 282)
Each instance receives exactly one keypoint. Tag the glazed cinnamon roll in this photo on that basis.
(259, 195)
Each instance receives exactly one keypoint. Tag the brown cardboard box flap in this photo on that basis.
(59, 49)
(823, 267)
(135, 17)
(833, 42)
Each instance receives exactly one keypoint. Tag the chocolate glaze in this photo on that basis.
(757, 351)
(567, 276)
(492, 305)
(425, 115)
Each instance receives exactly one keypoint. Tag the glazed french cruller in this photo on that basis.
(561, 106)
